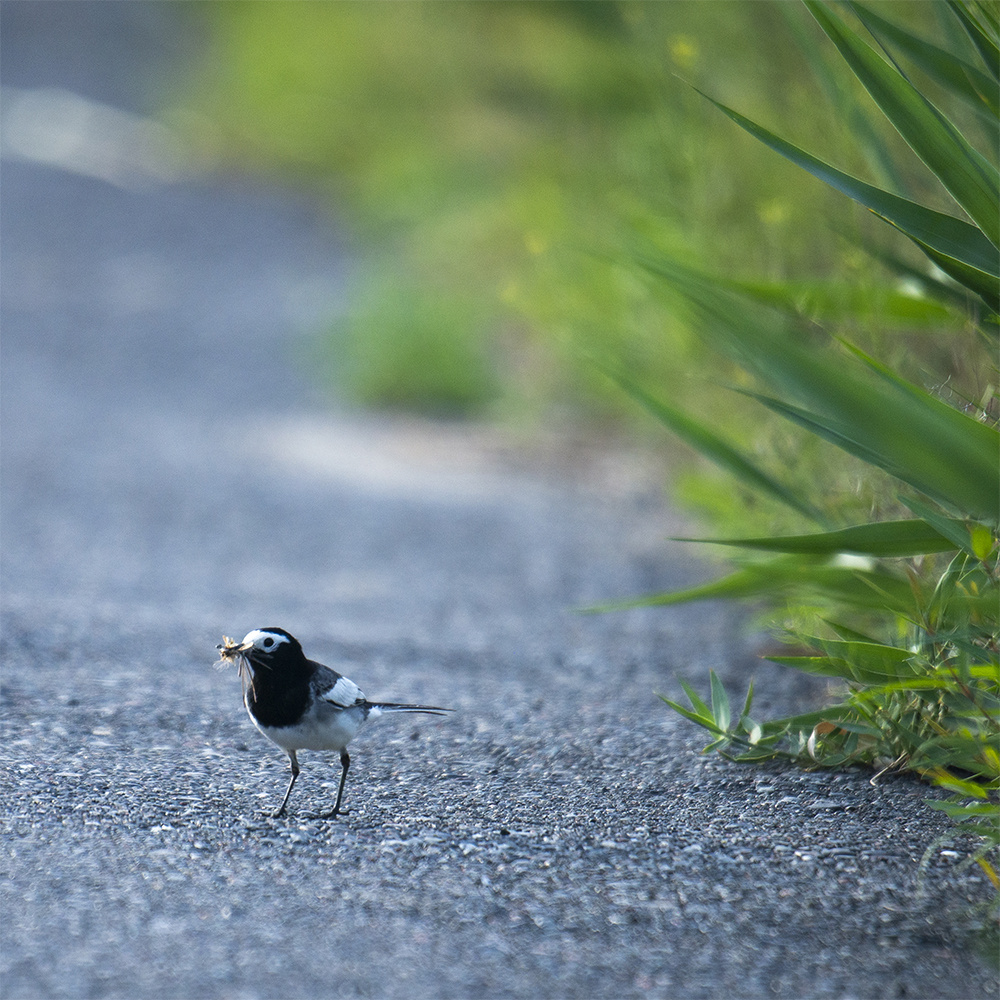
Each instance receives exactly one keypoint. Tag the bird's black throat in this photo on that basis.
(281, 688)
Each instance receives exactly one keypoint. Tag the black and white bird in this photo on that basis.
(300, 704)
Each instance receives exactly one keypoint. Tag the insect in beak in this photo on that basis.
(229, 649)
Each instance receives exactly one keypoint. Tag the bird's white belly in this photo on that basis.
(321, 730)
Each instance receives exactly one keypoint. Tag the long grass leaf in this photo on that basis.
(777, 579)
(884, 539)
(968, 82)
(971, 180)
(955, 531)
(829, 302)
(846, 632)
(704, 721)
(720, 702)
(985, 45)
(836, 432)
(945, 454)
(697, 702)
(748, 701)
(879, 661)
(974, 447)
(952, 237)
(951, 294)
(832, 666)
(929, 471)
(970, 431)
(710, 444)
(852, 112)
(981, 282)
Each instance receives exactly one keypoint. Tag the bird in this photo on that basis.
(300, 704)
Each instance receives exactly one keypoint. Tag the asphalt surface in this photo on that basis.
(171, 472)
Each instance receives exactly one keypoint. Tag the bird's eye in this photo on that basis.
(268, 643)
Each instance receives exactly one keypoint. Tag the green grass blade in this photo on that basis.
(748, 701)
(905, 456)
(804, 723)
(971, 789)
(981, 282)
(979, 435)
(951, 295)
(974, 447)
(970, 179)
(855, 403)
(951, 238)
(703, 721)
(836, 432)
(845, 668)
(697, 702)
(845, 101)
(846, 632)
(880, 662)
(834, 302)
(955, 531)
(825, 666)
(706, 441)
(720, 702)
(884, 539)
(968, 82)
(985, 45)
(807, 581)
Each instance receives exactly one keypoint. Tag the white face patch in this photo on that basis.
(265, 641)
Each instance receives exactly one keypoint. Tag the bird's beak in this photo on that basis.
(230, 648)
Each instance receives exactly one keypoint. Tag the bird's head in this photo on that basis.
(267, 648)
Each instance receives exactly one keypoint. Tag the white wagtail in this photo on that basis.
(300, 704)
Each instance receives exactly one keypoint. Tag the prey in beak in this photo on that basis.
(230, 650)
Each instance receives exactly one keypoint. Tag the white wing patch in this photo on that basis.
(344, 693)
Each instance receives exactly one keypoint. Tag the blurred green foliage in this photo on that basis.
(498, 155)
(494, 163)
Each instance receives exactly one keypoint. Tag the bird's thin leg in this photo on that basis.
(345, 763)
(288, 791)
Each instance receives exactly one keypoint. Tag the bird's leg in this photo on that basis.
(293, 760)
(345, 763)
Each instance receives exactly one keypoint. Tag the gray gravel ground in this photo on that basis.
(170, 474)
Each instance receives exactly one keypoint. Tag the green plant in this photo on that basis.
(901, 611)
(408, 348)
(482, 153)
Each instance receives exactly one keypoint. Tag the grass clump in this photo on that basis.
(900, 610)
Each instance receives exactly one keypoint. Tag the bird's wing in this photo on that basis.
(335, 689)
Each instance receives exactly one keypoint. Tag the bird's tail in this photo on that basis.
(378, 707)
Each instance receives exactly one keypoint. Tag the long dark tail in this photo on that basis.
(378, 707)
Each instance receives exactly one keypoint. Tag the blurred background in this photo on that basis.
(491, 170)
(493, 167)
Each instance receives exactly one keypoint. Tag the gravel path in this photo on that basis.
(171, 474)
